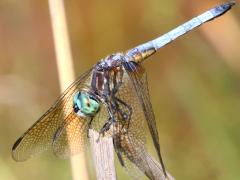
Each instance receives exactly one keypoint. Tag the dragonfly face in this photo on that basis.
(114, 92)
(85, 104)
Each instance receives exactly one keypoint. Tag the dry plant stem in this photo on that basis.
(65, 71)
(103, 156)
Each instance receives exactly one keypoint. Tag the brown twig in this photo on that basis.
(103, 156)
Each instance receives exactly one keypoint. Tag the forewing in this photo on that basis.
(39, 136)
(72, 137)
(139, 80)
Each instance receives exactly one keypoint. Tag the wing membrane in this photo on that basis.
(129, 141)
(133, 155)
(38, 138)
(139, 79)
(72, 137)
(127, 94)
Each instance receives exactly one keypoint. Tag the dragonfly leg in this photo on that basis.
(125, 116)
(105, 128)
(109, 122)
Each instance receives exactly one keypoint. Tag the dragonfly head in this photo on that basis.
(85, 104)
(110, 62)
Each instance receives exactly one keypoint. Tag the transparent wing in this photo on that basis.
(134, 93)
(129, 97)
(138, 78)
(72, 137)
(134, 157)
(39, 137)
(127, 156)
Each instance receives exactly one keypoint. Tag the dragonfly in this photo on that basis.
(112, 98)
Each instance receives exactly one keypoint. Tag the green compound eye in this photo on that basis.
(85, 104)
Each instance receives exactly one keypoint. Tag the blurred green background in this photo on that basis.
(194, 82)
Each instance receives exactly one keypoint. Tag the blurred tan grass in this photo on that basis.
(65, 71)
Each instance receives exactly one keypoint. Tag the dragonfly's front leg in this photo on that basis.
(109, 122)
(116, 101)
(106, 126)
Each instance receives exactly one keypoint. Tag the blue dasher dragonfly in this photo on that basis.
(111, 98)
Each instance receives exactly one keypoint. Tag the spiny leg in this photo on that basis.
(107, 125)
(115, 109)
(125, 116)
